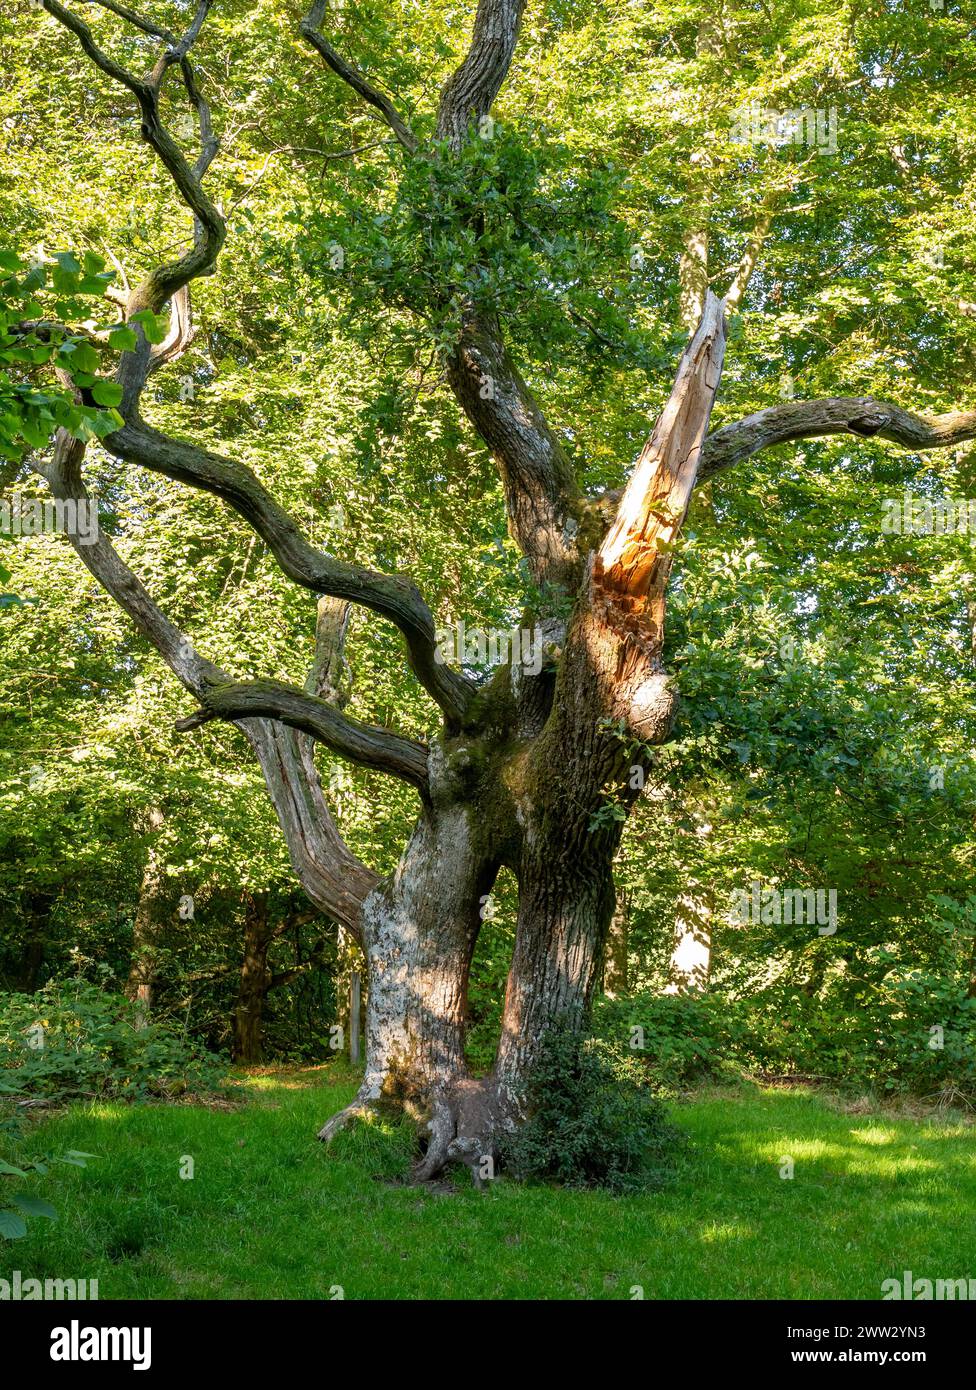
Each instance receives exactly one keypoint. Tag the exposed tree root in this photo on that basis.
(359, 1109)
(443, 1131)
(462, 1119)
(464, 1125)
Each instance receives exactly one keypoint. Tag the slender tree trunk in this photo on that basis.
(615, 967)
(248, 1044)
(39, 904)
(350, 969)
(692, 953)
(152, 917)
(355, 1017)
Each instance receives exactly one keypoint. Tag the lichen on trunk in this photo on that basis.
(522, 785)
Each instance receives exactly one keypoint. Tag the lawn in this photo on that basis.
(270, 1214)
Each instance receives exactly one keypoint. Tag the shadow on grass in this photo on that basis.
(268, 1213)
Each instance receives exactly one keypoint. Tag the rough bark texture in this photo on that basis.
(255, 981)
(153, 913)
(521, 772)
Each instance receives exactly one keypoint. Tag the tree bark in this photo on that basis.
(248, 1044)
(152, 916)
(39, 904)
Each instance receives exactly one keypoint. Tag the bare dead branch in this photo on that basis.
(631, 569)
(366, 744)
(860, 415)
(311, 29)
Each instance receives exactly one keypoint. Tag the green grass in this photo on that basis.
(270, 1214)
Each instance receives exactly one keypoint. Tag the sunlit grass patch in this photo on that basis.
(269, 1213)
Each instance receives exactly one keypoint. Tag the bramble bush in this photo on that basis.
(74, 1039)
(913, 1031)
(591, 1120)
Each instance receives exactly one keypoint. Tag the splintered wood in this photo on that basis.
(631, 569)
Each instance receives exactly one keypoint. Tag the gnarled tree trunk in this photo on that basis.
(531, 772)
(523, 785)
(248, 1046)
(153, 912)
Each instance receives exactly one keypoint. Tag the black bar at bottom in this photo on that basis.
(67, 1339)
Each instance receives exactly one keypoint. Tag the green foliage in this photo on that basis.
(15, 1208)
(38, 302)
(13, 1224)
(591, 1119)
(682, 1039)
(499, 224)
(905, 1031)
(913, 1031)
(74, 1039)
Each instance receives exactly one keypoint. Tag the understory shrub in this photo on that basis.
(679, 1039)
(73, 1039)
(591, 1120)
(911, 1031)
